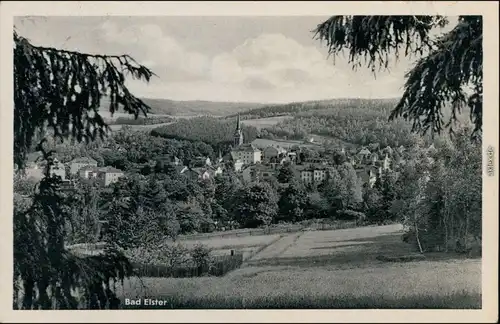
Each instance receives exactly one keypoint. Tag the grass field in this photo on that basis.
(323, 269)
(260, 123)
(248, 245)
(262, 143)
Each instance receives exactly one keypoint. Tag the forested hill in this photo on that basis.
(294, 108)
(193, 108)
(206, 129)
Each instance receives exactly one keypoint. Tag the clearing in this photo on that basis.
(322, 269)
(260, 123)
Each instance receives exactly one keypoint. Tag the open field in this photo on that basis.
(287, 144)
(248, 245)
(260, 123)
(324, 269)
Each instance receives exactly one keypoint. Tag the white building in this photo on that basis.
(247, 154)
(314, 174)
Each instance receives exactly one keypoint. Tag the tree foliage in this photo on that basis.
(210, 130)
(447, 64)
(61, 91)
(57, 94)
(292, 202)
(257, 205)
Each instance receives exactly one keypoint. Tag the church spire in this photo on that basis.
(238, 134)
(238, 123)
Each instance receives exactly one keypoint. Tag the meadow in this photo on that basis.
(287, 144)
(260, 123)
(322, 269)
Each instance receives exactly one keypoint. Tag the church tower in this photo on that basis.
(238, 134)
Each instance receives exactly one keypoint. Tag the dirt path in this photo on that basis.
(276, 249)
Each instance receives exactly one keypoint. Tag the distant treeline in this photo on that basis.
(299, 107)
(142, 121)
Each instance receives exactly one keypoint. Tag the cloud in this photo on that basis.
(266, 68)
(273, 60)
(159, 51)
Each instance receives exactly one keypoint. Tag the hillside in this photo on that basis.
(187, 108)
(300, 107)
(206, 129)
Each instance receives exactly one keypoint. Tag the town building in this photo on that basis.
(105, 175)
(58, 169)
(368, 176)
(247, 153)
(258, 172)
(109, 175)
(314, 173)
(33, 171)
(271, 152)
(76, 164)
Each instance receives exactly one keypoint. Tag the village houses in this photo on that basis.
(77, 164)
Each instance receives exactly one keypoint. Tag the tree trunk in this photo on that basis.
(418, 240)
(466, 238)
(445, 221)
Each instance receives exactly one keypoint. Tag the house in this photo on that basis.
(273, 152)
(354, 160)
(201, 161)
(388, 150)
(109, 175)
(258, 172)
(292, 156)
(220, 159)
(368, 176)
(318, 161)
(200, 173)
(247, 153)
(216, 170)
(364, 154)
(387, 163)
(175, 160)
(314, 173)
(76, 164)
(88, 172)
(67, 186)
(58, 169)
(34, 171)
(373, 146)
(104, 175)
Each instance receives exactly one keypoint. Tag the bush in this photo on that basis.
(201, 257)
(352, 215)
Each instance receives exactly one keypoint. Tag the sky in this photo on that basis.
(236, 59)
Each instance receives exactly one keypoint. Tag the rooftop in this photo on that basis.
(109, 170)
(84, 160)
(246, 148)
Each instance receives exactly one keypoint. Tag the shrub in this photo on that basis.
(351, 215)
(201, 257)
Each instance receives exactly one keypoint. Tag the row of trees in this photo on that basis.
(152, 120)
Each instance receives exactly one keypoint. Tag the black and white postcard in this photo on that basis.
(212, 159)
